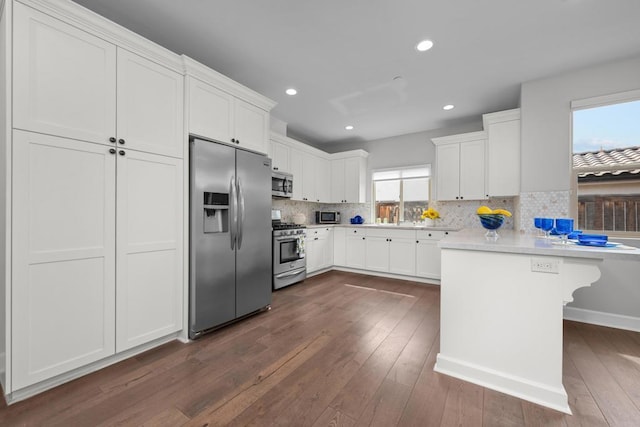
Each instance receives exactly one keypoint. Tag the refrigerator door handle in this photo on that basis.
(240, 214)
(233, 215)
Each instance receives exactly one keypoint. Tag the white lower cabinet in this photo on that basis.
(64, 246)
(391, 251)
(355, 246)
(319, 248)
(340, 246)
(149, 248)
(428, 253)
(72, 303)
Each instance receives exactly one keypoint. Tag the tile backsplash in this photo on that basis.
(456, 214)
(347, 210)
(462, 213)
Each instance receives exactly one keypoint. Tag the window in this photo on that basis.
(401, 194)
(606, 163)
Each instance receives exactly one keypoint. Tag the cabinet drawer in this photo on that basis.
(391, 234)
(321, 233)
(431, 234)
(355, 231)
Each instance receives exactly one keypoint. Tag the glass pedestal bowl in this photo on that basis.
(491, 222)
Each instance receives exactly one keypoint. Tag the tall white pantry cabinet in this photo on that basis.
(93, 200)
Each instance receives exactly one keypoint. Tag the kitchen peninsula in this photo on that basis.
(502, 308)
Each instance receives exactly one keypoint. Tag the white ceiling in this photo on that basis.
(343, 55)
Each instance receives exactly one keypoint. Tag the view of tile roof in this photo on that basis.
(615, 157)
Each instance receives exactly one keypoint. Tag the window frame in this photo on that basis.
(401, 201)
(584, 104)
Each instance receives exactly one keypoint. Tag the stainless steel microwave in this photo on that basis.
(281, 184)
(327, 217)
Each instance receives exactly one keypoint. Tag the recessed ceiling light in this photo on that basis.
(424, 45)
(291, 91)
(348, 127)
(448, 107)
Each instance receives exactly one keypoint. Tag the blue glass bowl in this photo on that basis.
(491, 221)
(593, 238)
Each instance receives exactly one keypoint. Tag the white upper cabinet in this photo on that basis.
(72, 84)
(64, 79)
(348, 177)
(217, 115)
(460, 166)
(225, 111)
(323, 187)
(503, 152)
(150, 108)
(280, 156)
(251, 126)
(63, 262)
(210, 111)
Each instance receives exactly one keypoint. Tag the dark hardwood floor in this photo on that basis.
(340, 349)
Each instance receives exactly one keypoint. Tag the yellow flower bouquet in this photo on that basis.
(430, 213)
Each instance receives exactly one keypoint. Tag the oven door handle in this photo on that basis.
(291, 273)
(280, 239)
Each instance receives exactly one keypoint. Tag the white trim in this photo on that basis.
(435, 282)
(542, 394)
(463, 137)
(89, 21)
(197, 70)
(600, 101)
(40, 387)
(611, 320)
(500, 116)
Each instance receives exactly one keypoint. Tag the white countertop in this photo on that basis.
(516, 243)
(389, 226)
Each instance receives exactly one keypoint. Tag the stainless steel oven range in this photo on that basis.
(289, 262)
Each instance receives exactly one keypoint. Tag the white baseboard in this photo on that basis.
(554, 397)
(601, 318)
(388, 275)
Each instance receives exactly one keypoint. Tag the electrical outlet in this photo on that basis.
(545, 265)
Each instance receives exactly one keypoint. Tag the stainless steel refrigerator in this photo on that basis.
(230, 234)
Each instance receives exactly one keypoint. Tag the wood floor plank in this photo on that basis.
(612, 400)
(339, 349)
(502, 410)
(333, 418)
(464, 405)
(386, 406)
(427, 400)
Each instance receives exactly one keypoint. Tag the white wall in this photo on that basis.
(546, 164)
(4, 147)
(546, 119)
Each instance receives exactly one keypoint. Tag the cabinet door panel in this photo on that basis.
(377, 254)
(150, 105)
(210, 111)
(297, 168)
(337, 181)
(251, 126)
(472, 175)
(339, 246)
(428, 259)
(448, 172)
(354, 169)
(64, 79)
(149, 248)
(355, 252)
(402, 256)
(308, 177)
(323, 189)
(63, 256)
(279, 157)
